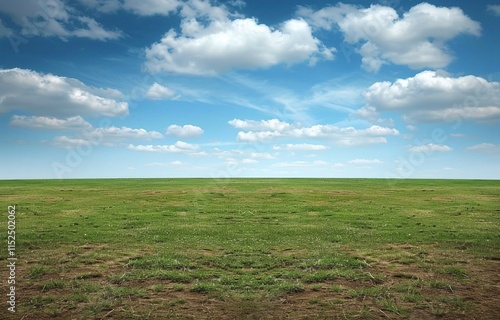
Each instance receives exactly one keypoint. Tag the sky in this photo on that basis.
(221, 89)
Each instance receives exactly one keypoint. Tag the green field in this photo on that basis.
(254, 249)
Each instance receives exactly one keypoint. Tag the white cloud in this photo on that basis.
(237, 3)
(417, 39)
(224, 44)
(300, 147)
(54, 19)
(51, 95)
(316, 163)
(186, 131)
(348, 136)
(176, 163)
(429, 96)
(178, 147)
(484, 147)
(93, 30)
(65, 141)
(494, 8)
(106, 6)
(251, 136)
(72, 123)
(365, 161)
(273, 124)
(110, 134)
(151, 7)
(4, 31)
(457, 135)
(261, 155)
(249, 161)
(429, 148)
(106, 136)
(159, 92)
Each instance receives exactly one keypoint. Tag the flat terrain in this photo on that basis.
(254, 249)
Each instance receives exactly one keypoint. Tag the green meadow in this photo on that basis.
(254, 249)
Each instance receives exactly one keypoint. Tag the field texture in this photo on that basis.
(254, 249)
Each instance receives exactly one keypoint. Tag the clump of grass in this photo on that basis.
(375, 291)
(392, 307)
(53, 284)
(291, 287)
(41, 300)
(336, 288)
(37, 272)
(158, 288)
(205, 287)
(316, 287)
(456, 272)
(178, 287)
(438, 284)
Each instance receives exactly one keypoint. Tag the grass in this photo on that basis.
(239, 248)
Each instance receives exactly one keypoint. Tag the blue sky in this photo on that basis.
(192, 88)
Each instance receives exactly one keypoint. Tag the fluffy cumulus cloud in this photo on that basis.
(417, 39)
(430, 96)
(186, 131)
(159, 92)
(346, 136)
(50, 95)
(178, 147)
(213, 41)
(54, 19)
